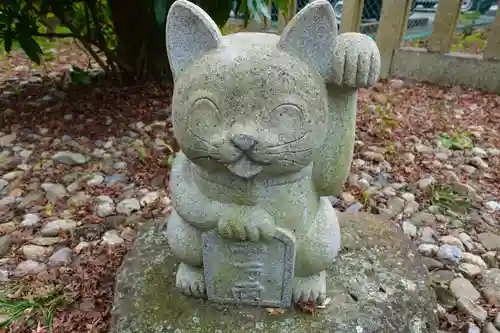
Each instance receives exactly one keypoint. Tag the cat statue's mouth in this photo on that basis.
(245, 167)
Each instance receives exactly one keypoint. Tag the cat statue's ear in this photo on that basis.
(190, 33)
(310, 36)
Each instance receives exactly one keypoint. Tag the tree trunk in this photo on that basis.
(141, 40)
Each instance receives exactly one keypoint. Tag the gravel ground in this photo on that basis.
(81, 168)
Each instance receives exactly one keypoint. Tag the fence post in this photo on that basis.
(351, 16)
(443, 28)
(492, 50)
(391, 30)
(284, 18)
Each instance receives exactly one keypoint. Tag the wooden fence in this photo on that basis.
(435, 63)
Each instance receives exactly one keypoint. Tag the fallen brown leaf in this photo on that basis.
(275, 311)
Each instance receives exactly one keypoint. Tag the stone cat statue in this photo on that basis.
(266, 127)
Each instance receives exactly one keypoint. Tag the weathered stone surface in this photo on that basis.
(378, 284)
(249, 273)
(247, 178)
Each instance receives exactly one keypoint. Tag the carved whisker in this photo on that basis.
(200, 138)
(291, 161)
(287, 152)
(287, 142)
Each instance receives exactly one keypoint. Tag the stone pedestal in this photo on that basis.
(377, 285)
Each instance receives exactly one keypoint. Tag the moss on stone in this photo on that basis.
(377, 284)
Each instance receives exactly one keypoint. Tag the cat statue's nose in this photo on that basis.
(243, 142)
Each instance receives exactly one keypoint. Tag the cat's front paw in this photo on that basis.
(190, 281)
(356, 61)
(250, 223)
(310, 289)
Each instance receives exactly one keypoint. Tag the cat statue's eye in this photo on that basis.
(288, 122)
(203, 117)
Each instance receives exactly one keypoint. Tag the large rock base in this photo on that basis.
(377, 285)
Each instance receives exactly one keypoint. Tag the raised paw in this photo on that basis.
(310, 289)
(190, 280)
(356, 61)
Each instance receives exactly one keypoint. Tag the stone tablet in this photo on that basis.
(249, 273)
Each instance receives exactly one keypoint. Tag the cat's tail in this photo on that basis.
(332, 165)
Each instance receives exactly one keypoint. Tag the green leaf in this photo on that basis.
(263, 8)
(470, 16)
(160, 8)
(282, 5)
(218, 10)
(253, 10)
(79, 76)
(31, 48)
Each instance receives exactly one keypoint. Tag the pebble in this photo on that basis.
(411, 208)
(452, 240)
(490, 259)
(427, 235)
(478, 163)
(10, 176)
(432, 263)
(79, 199)
(420, 218)
(474, 259)
(69, 158)
(29, 267)
(471, 329)
(490, 284)
(470, 308)
(53, 228)
(428, 249)
(493, 152)
(128, 234)
(120, 165)
(476, 151)
(7, 228)
(63, 256)
(449, 254)
(410, 197)
(466, 241)
(423, 149)
(470, 271)
(6, 140)
(396, 84)
(409, 228)
(490, 328)
(105, 206)
(111, 237)
(492, 206)
(461, 287)
(45, 241)
(425, 183)
(54, 192)
(35, 252)
(30, 221)
(5, 245)
(154, 196)
(489, 240)
(496, 322)
(346, 196)
(128, 206)
(395, 205)
(81, 246)
(113, 179)
(373, 156)
(95, 180)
